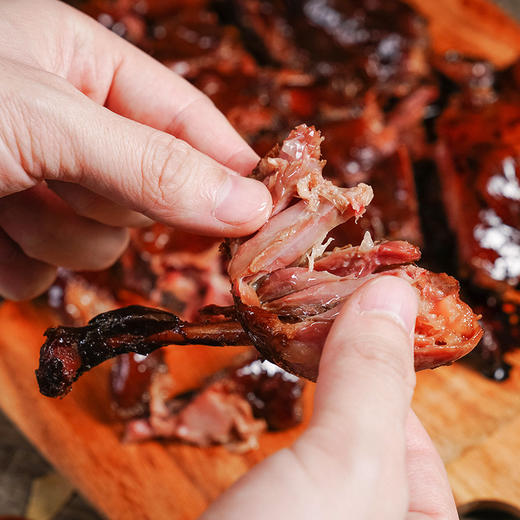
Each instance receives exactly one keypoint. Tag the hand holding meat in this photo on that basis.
(364, 455)
(87, 146)
(288, 289)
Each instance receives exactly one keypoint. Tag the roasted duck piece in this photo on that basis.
(380, 152)
(185, 34)
(362, 142)
(477, 156)
(70, 351)
(175, 270)
(380, 43)
(172, 269)
(231, 408)
(78, 296)
(192, 40)
(131, 380)
(286, 286)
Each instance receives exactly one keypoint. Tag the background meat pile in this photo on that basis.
(435, 136)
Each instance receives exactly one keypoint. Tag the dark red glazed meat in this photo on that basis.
(233, 407)
(372, 42)
(477, 155)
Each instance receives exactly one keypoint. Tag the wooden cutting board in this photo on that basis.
(475, 423)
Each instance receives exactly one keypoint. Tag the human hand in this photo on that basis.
(365, 455)
(87, 148)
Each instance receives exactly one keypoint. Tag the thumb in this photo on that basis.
(363, 393)
(368, 356)
(166, 179)
(170, 181)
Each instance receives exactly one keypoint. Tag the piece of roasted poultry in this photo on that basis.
(478, 152)
(287, 287)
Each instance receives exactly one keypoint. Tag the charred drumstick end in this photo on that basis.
(71, 351)
(59, 361)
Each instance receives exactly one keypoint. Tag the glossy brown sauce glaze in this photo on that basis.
(232, 407)
(477, 155)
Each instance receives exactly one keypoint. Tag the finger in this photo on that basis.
(88, 204)
(167, 180)
(363, 395)
(430, 492)
(134, 165)
(21, 277)
(146, 91)
(46, 229)
(369, 355)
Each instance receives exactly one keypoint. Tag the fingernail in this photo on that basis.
(392, 296)
(242, 200)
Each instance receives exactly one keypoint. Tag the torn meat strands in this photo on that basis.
(232, 408)
(288, 290)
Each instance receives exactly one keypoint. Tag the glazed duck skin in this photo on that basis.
(287, 287)
(71, 351)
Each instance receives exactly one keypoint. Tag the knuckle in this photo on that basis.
(200, 102)
(166, 169)
(17, 288)
(309, 460)
(385, 354)
(27, 290)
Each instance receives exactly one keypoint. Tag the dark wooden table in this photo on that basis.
(21, 468)
(512, 6)
(23, 471)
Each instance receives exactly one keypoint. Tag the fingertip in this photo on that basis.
(26, 280)
(380, 301)
(374, 330)
(115, 242)
(19, 290)
(369, 350)
(244, 161)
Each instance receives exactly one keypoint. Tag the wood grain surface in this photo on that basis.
(475, 423)
(143, 481)
(477, 28)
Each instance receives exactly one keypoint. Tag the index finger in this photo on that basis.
(114, 73)
(146, 91)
